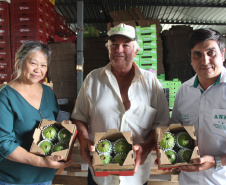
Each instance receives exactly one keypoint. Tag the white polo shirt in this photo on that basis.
(206, 110)
(99, 104)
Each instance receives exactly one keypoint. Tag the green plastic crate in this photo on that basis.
(165, 84)
(161, 77)
(141, 50)
(149, 37)
(150, 52)
(139, 40)
(151, 68)
(144, 30)
(148, 60)
(176, 82)
(136, 59)
(150, 45)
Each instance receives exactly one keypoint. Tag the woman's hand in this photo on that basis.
(56, 162)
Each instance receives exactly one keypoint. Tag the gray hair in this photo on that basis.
(135, 48)
(25, 50)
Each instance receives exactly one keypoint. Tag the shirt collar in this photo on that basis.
(221, 78)
(196, 82)
(107, 70)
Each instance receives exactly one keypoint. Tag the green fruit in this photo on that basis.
(184, 155)
(183, 140)
(49, 132)
(106, 159)
(59, 146)
(119, 158)
(64, 135)
(172, 156)
(46, 146)
(122, 146)
(167, 141)
(104, 147)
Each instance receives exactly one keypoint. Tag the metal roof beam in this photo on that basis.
(212, 5)
(89, 21)
(161, 21)
(191, 22)
(107, 17)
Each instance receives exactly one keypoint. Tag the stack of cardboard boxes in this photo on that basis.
(62, 70)
(95, 54)
(177, 62)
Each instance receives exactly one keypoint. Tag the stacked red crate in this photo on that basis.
(5, 52)
(30, 20)
(50, 20)
(60, 25)
(69, 32)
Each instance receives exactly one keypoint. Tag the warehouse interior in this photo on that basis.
(171, 20)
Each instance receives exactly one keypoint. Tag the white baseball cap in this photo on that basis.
(124, 30)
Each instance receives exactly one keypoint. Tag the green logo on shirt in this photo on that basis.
(220, 116)
(219, 126)
(219, 120)
(184, 116)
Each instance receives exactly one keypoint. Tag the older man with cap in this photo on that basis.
(121, 96)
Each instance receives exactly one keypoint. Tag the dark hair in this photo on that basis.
(25, 50)
(201, 35)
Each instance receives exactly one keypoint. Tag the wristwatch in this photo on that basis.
(218, 162)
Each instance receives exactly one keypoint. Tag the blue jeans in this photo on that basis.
(43, 183)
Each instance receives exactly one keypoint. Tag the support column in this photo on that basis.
(80, 58)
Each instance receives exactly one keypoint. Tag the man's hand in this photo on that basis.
(203, 163)
(142, 152)
(86, 146)
(143, 149)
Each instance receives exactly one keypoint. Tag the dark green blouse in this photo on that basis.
(18, 120)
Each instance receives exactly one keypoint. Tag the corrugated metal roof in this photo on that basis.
(196, 13)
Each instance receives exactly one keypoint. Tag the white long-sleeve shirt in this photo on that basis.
(206, 110)
(99, 104)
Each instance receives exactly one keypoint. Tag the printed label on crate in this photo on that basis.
(24, 19)
(3, 64)
(24, 8)
(25, 30)
(3, 75)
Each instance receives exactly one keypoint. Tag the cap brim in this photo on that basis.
(118, 35)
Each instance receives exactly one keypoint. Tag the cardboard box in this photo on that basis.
(37, 137)
(163, 161)
(127, 169)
